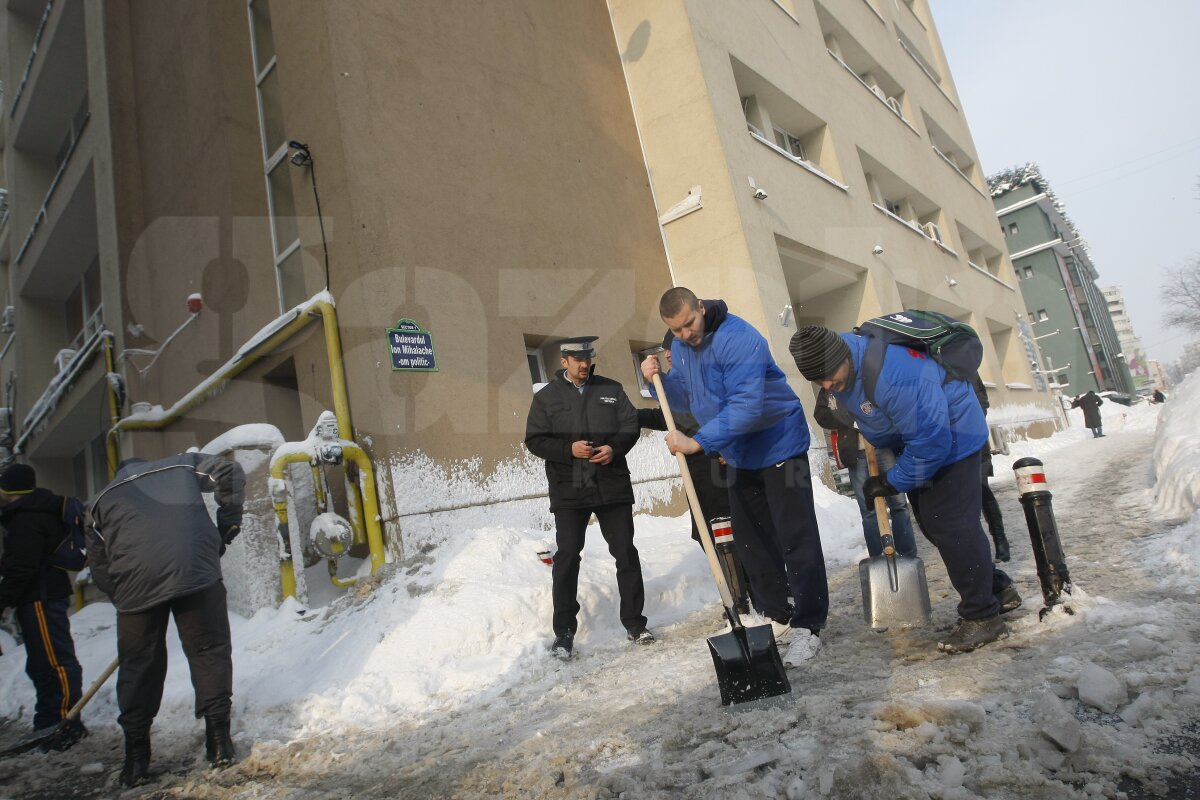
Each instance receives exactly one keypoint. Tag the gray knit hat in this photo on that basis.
(818, 351)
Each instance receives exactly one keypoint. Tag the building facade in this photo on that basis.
(812, 164)
(1131, 345)
(1066, 309)
(242, 212)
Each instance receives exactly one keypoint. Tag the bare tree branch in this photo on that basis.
(1180, 294)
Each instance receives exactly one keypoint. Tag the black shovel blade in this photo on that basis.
(748, 665)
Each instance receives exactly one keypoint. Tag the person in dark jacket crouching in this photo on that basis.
(583, 425)
(154, 550)
(40, 593)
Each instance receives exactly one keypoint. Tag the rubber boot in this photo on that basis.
(137, 760)
(218, 745)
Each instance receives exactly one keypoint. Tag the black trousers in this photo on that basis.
(948, 508)
(775, 531)
(50, 659)
(616, 525)
(203, 625)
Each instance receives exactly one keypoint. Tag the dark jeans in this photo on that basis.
(616, 525)
(948, 510)
(50, 659)
(775, 527)
(203, 625)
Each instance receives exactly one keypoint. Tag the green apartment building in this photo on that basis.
(1067, 312)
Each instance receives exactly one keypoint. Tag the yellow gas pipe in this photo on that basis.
(364, 503)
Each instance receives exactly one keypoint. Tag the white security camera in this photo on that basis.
(759, 194)
(878, 250)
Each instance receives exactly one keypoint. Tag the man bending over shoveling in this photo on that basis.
(940, 428)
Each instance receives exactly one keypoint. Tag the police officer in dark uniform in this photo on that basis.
(582, 424)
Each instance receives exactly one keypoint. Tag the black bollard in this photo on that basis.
(1043, 534)
(722, 531)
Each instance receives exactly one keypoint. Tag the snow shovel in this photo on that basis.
(47, 735)
(747, 659)
(894, 589)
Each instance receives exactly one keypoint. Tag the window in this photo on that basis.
(638, 351)
(83, 308)
(1012, 229)
(537, 370)
(893, 208)
(790, 143)
(1042, 316)
(90, 468)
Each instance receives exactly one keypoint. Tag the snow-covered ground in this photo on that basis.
(434, 679)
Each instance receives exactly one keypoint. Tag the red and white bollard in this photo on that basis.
(722, 531)
(1043, 533)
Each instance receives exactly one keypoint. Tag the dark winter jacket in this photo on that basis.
(730, 383)
(709, 476)
(833, 417)
(928, 421)
(561, 415)
(152, 537)
(986, 470)
(1090, 403)
(33, 528)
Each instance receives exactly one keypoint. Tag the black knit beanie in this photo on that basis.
(818, 351)
(18, 479)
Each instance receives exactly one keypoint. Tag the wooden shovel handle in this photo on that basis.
(882, 514)
(694, 502)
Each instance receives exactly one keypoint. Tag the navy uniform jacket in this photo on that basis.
(601, 414)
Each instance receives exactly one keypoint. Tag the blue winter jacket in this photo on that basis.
(929, 423)
(730, 383)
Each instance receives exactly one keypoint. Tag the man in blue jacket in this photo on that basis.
(937, 428)
(723, 375)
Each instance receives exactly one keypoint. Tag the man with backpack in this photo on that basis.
(937, 427)
(154, 550)
(40, 592)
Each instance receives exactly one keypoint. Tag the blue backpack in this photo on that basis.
(951, 343)
(71, 553)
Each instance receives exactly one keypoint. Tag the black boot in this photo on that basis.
(137, 760)
(1001, 542)
(218, 745)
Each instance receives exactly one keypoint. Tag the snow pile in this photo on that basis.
(1177, 452)
(431, 678)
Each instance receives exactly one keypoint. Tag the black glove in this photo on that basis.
(230, 533)
(878, 486)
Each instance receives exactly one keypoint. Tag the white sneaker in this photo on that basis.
(782, 630)
(804, 646)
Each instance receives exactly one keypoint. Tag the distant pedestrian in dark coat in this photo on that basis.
(1090, 403)
(582, 424)
(154, 550)
(33, 529)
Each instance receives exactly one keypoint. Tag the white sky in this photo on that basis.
(1102, 95)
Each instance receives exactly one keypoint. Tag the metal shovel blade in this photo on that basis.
(895, 592)
(748, 665)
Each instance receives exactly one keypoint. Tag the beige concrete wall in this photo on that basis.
(483, 178)
(810, 242)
